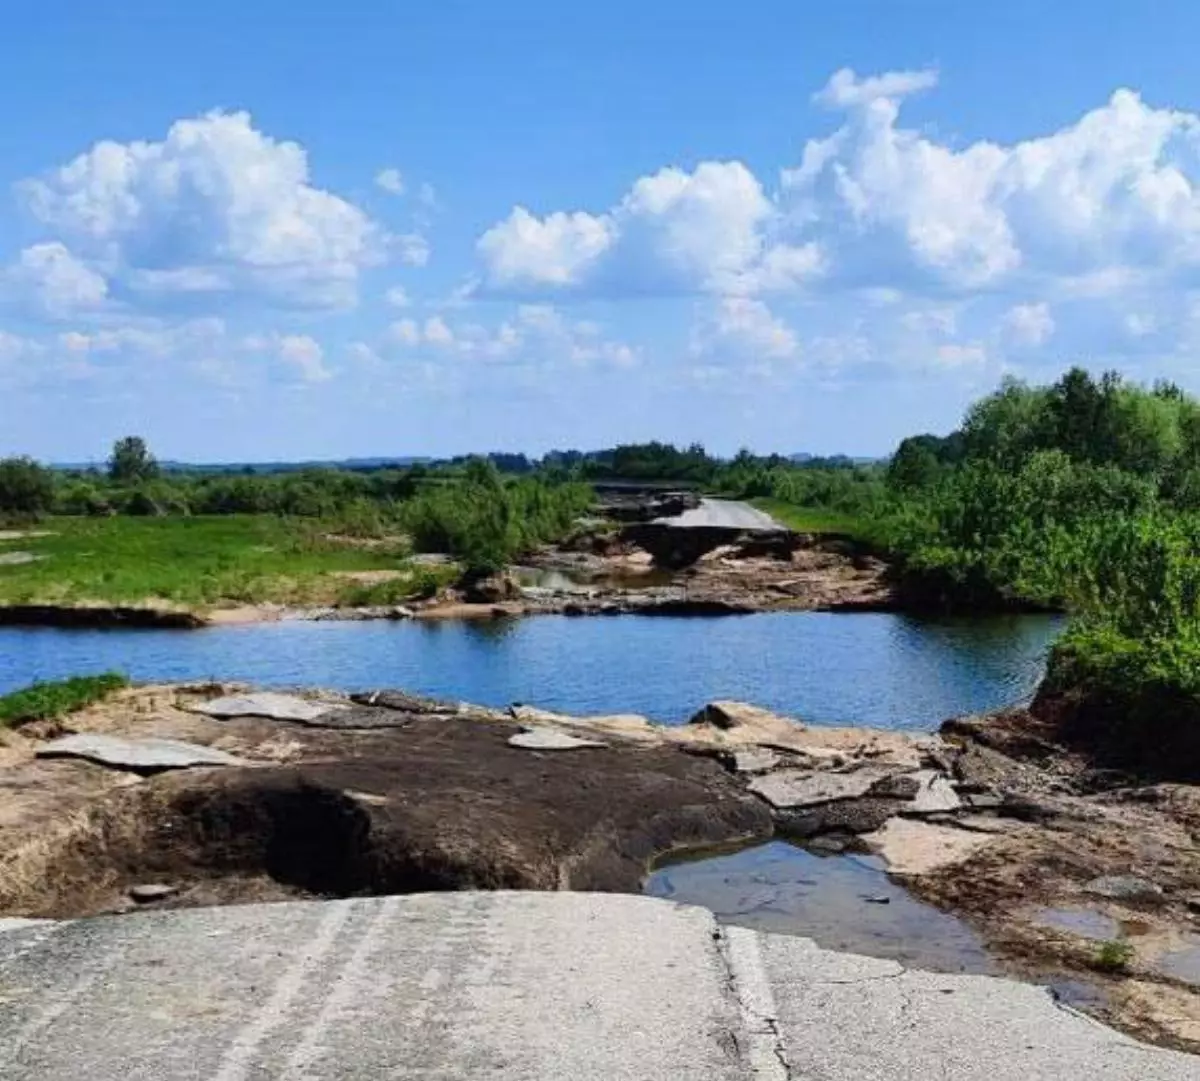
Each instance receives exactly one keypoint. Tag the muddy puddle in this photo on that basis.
(842, 902)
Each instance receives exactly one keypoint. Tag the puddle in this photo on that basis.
(1079, 994)
(1182, 964)
(1084, 922)
(834, 900)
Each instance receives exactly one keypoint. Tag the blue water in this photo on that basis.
(882, 670)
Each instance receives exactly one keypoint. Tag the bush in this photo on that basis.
(26, 488)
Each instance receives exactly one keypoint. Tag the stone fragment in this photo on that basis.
(149, 892)
(842, 818)
(406, 703)
(137, 755)
(936, 795)
(913, 847)
(276, 707)
(788, 788)
(1124, 888)
(547, 739)
(754, 760)
(878, 899)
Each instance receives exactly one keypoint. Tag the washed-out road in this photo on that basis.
(510, 986)
(725, 514)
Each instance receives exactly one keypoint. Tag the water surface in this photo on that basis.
(843, 903)
(877, 669)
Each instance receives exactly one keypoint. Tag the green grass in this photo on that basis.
(193, 562)
(1113, 956)
(41, 701)
(813, 519)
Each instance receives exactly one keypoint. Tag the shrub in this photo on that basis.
(26, 488)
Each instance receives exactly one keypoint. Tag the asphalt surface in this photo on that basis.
(724, 514)
(512, 986)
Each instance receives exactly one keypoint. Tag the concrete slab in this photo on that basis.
(546, 739)
(724, 514)
(789, 788)
(514, 987)
(137, 755)
(270, 704)
(842, 1017)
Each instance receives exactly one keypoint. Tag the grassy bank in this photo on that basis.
(42, 701)
(197, 562)
(814, 519)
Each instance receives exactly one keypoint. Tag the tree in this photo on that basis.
(26, 488)
(131, 461)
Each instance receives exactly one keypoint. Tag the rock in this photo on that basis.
(912, 847)
(936, 795)
(406, 703)
(137, 755)
(632, 724)
(729, 715)
(855, 816)
(1192, 904)
(277, 707)
(878, 899)
(753, 760)
(1124, 888)
(491, 590)
(898, 786)
(983, 801)
(148, 893)
(547, 739)
(789, 788)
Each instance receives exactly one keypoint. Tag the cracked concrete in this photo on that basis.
(513, 986)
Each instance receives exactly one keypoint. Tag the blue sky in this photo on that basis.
(285, 231)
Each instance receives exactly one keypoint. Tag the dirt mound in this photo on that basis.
(444, 803)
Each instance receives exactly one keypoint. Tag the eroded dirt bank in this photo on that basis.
(389, 793)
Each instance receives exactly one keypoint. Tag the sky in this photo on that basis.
(313, 231)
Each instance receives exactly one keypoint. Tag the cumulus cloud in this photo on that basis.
(397, 297)
(534, 333)
(946, 254)
(1030, 324)
(675, 232)
(306, 356)
(48, 280)
(216, 207)
(845, 89)
(390, 180)
(745, 330)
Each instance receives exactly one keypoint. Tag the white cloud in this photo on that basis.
(306, 356)
(674, 232)
(538, 334)
(397, 297)
(404, 332)
(956, 355)
(390, 180)
(436, 331)
(1030, 324)
(556, 250)
(747, 330)
(47, 280)
(412, 249)
(427, 196)
(845, 89)
(216, 207)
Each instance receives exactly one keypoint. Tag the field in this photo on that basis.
(203, 562)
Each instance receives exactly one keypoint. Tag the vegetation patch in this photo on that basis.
(44, 701)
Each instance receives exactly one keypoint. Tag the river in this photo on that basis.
(878, 669)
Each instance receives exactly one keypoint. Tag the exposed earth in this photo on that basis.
(1062, 868)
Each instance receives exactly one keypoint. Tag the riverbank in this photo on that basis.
(161, 573)
(330, 795)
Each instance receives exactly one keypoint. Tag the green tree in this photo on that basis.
(131, 461)
(26, 488)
